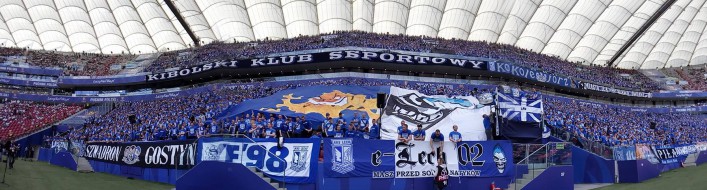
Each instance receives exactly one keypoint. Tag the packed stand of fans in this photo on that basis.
(217, 51)
(73, 64)
(695, 77)
(23, 117)
(187, 117)
(592, 122)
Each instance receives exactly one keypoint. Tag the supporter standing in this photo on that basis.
(419, 133)
(455, 136)
(405, 135)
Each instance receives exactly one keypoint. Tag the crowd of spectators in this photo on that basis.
(73, 64)
(85, 64)
(23, 117)
(195, 116)
(695, 77)
(612, 126)
(171, 118)
(216, 51)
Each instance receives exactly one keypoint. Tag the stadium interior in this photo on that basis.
(357, 94)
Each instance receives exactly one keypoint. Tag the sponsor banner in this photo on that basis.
(680, 94)
(665, 154)
(163, 154)
(622, 153)
(394, 159)
(305, 58)
(701, 146)
(634, 109)
(93, 99)
(601, 88)
(531, 74)
(433, 112)
(19, 82)
(294, 162)
(32, 71)
(88, 81)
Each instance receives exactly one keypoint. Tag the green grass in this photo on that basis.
(679, 179)
(43, 176)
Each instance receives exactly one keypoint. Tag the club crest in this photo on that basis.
(132, 154)
(342, 155)
(299, 159)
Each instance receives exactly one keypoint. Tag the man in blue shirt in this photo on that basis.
(352, 132)
(341, 118)
(270, 131)
(455, 136)
(374, 131)
(402, 123)
(329, 128)
(437, 140)
(242, 126)
(419, 134)
(363, 123)
(253, 132)
(356, 121)
(487, 127)
(279, 122)
(213, 129)
(405, 135)
(297, 132)
(339, 133)
(162, 133)
(192, 132)
(307, 127)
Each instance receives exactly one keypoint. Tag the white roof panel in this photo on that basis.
(588, 31)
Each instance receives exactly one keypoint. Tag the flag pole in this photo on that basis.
(497, 112)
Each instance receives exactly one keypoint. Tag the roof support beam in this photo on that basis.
(663, 8)
(183, 22)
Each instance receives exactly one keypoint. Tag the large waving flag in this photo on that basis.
(517, 105)
(520, 114)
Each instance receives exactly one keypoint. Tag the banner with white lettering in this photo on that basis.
(433, 112)
(164, 154)
(294, 162)
(394, 159)
(306, 58)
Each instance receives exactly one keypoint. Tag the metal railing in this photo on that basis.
(539, 157)
(595, 147)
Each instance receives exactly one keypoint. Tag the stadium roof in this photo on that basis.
(590, 31)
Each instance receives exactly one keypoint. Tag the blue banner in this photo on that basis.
(100, 81)
(93, 99)
(622, 153)
(531, 74)
(30, 70)
(294, 162)
(346, 157)
(316, 102)
(680, 94)
(19, 82)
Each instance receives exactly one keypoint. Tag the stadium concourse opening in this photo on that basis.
(408, 94)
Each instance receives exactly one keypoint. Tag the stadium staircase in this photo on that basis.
(83, 165)
(690, 161)
(265, 178)
(527, 178)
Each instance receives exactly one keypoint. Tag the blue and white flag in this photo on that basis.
(517, 105)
